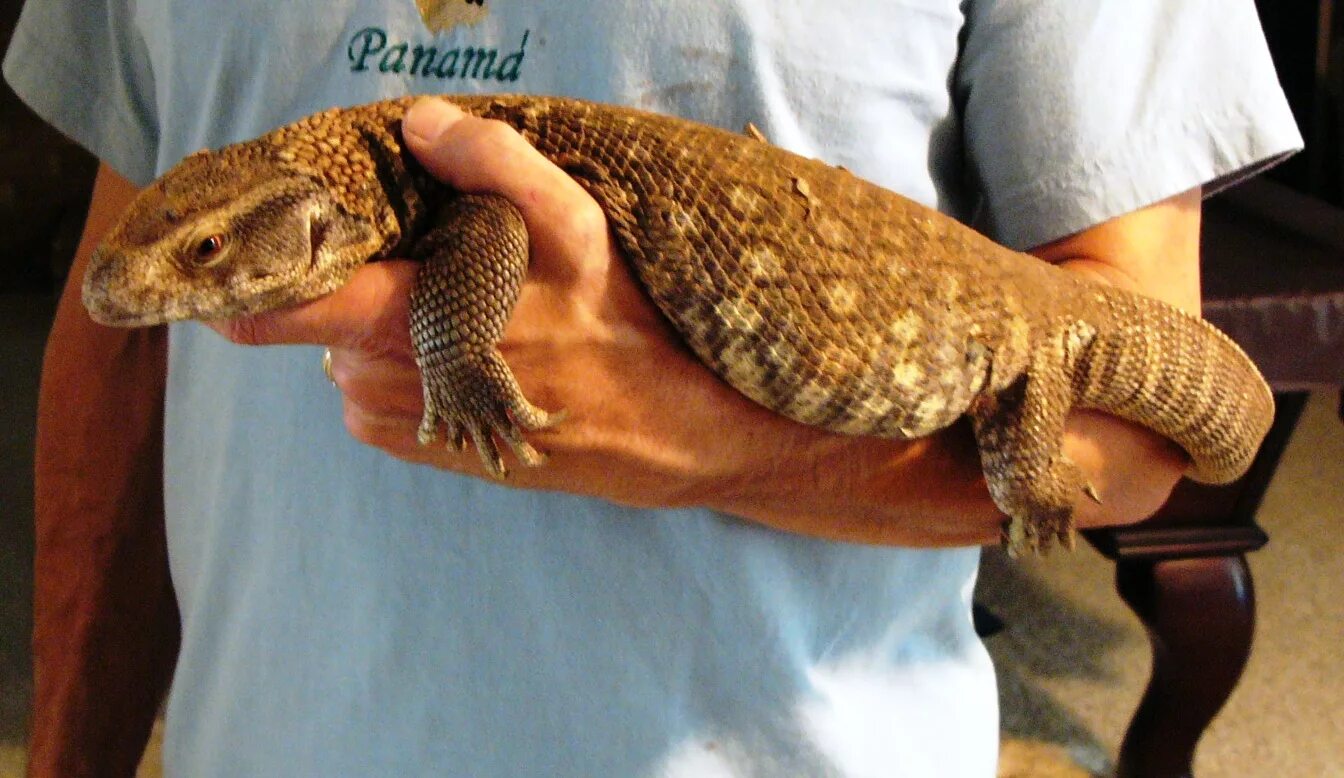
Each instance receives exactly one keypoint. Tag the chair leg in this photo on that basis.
(1200, 614)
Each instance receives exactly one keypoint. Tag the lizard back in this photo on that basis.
(841, 304)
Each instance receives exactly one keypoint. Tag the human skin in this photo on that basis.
(647, 425)
(105, 620)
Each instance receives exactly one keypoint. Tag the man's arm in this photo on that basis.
(106, 626)
(647, 424)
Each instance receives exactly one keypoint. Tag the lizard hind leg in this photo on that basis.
(1020, 434)
(474, 258)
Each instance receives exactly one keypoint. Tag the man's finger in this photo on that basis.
(381, 384)
(478, 155)
(368, 312)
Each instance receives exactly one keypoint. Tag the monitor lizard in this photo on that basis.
(817, 294)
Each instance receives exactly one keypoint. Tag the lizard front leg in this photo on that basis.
(473, 260)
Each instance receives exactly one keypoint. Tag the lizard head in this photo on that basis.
(224, 234)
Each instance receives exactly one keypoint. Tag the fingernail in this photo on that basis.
(429, 118)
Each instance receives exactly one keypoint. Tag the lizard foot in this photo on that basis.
(1040, 504)
(476, 396)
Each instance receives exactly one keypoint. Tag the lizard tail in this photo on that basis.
(1181, 377)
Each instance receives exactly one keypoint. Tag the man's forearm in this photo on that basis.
(105, 620)
(923, 493)
(931, 492)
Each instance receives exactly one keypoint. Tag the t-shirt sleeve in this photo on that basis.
(1076, 112)
(83, 68)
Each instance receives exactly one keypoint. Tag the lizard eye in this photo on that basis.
(209, 248)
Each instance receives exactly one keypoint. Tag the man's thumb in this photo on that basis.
(370, 308)
(424, 128)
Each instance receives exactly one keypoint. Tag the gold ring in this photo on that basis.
(326, 366)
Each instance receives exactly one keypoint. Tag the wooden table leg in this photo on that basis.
(1184, 573)
(1200, 614)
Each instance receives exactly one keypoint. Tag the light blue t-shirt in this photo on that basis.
(344, 613)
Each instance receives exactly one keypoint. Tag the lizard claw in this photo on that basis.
(483, 437)
(429, 432)
(477, 397)
(486, 449)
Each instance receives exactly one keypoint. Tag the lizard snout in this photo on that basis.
(119, 293)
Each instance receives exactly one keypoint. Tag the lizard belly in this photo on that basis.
(905, 374)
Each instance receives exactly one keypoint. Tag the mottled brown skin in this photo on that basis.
(817, 294)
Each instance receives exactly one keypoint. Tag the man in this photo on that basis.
(779, 601)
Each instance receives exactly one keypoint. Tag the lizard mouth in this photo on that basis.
(112, 317)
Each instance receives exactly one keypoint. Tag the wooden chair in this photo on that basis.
(1274, 281)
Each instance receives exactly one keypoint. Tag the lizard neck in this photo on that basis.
(409, 196)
